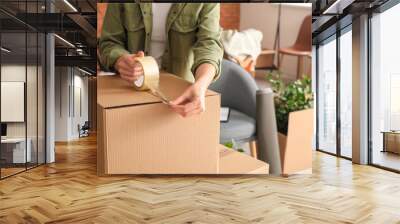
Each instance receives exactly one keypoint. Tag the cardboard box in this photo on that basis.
(233, 162)
(392, 142)
(138, 134)
(296, 147)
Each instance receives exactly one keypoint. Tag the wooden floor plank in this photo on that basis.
(69, 191)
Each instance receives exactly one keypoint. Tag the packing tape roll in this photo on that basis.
(151, 73)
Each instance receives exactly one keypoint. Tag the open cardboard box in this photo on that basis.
(296, 147)
(138, 134)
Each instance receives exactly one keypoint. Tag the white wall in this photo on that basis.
(16, 72)
(34, 126)
(62, 81)
(80, 84)
(70, 83)
(264, 17)
(12, 101)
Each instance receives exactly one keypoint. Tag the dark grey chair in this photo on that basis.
(252, 110)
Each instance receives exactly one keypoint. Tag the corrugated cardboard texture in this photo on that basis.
(233, 162)
(297, 155)
(141, 135)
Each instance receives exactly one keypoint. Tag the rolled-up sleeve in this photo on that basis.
(113, 37)
(208, 47)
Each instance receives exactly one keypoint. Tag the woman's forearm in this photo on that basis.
(205, 74)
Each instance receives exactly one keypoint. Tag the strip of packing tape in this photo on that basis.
(151, 75)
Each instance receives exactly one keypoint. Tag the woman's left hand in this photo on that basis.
(192, 100)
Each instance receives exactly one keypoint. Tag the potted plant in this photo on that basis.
(294, 117)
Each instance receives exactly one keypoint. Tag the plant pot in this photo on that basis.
(296, 146)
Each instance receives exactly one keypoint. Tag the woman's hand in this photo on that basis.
(192, 100)
(128, 68)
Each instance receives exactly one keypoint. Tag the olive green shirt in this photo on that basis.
(193, 36)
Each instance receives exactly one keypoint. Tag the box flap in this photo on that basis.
(233, 162)
(112, 91)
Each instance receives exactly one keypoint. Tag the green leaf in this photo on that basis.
(289, 97)
(228, 144)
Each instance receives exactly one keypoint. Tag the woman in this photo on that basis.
(182, 37)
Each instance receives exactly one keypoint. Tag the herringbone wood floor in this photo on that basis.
(70, 192)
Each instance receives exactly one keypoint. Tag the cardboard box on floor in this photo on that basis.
(138, 134)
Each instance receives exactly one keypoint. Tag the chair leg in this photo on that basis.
(253, 148)
(299, 66)
(309, 68)
(280, 58)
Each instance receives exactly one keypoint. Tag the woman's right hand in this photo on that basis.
(128, 68)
